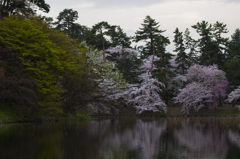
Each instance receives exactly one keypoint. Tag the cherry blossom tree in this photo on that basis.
(219, 93)
(234, 96)
(207, 86)
(194, 95)
(146, 97)
(108, 81)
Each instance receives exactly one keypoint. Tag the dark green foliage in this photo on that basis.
(182, 58)
(220, 42)
(38, 57)
(164, 71)
(129, 67)
(232, 64)
(234, 45)
(65, 20)
(148, 33)
(16, 88)
(14, 7)
(161, 52)
(127, 62)
(211, 45)
(205, 44)
(79, 32)
(118, 37)
(190, 45)
(65, 23)
(97, 36)
(232, 68)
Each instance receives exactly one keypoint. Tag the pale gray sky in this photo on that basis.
(129, 14)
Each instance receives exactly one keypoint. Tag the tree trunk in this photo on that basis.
(233, 104)
(104, 58)
(161, 62)
(152, 60)
(166, 101)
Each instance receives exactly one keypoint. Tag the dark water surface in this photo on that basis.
(124, 138)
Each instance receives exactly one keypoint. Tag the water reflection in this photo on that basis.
(200, 143)
(124, 138)
(142, 139)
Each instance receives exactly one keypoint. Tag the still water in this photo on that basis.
(124, 138)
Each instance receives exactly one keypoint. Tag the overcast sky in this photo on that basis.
(129, 14)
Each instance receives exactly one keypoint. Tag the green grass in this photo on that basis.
(82, 116)
(11, 115)
(226, 111)
(174, 111)
(7, 115)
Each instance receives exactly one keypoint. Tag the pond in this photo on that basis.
(124, 138)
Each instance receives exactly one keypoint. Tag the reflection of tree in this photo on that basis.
(198, 143)
(143, 138)
(28, 141)
(234, 138)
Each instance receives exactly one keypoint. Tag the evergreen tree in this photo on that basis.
(211, 45)
(97, 36)
(164, 69)
(65, 20)
(119, 38)
(220, 42)
(65, 23)
(126, 61)
(182, 58)
(232, 64)
(205, 43)
(79, 32)
(14, 7)
(190, 45)
(148, 33)
(234, 45)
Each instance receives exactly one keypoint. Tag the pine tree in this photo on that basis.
(22, 7)
(220, 42)
(211, 45)
(148, 33)
(119, 38)
(232, 64)
(190, 45)
(234, 45)
(97, 36)
(126, 61)
(182, 58)
(164, 69)
(66, 20)
(205, 43)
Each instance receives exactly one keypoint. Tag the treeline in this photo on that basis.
(59, 66)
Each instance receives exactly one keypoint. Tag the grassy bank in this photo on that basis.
(10, 115)
(175, 111)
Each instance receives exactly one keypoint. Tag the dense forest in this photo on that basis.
(61, 66)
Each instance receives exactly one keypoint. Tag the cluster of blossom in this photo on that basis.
(147, 65)
(208, 75)
(118, 51)
(175, 84)
(208, 85)
(146, 95)
(109, 82)
(219, 92)
(234, 95)
(194, 95)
